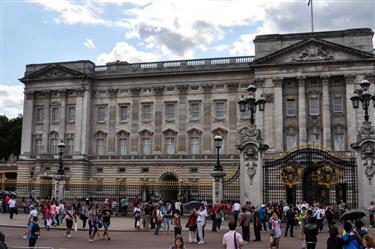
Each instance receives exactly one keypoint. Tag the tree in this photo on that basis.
(10, 138)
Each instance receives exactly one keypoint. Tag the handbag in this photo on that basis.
(193, 227)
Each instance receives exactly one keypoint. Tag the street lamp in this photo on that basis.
(218, 142)
(61, 147)
(249, 102)
(363, 95)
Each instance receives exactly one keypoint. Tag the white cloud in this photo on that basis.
(243, 46)
(11, 100)
(89, 43)
(125, 52)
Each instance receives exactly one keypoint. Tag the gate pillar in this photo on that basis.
(251, 150)
(364, 150)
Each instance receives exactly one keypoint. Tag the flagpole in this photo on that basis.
(312, 17)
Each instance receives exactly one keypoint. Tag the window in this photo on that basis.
(339, 143)
(123, 146)
(146, 148)
(99, 170)
(54, 150)
(291, 107)
(146, 90)
(244, 85)
(38, 146)
(245, 114)
(70, 146)
(100, 148)
(71, 115)
(169, 145)
(291, 141)
(220, 87)
(145, 170)
(124, 113)
(101, 113)
(121, 170)
(146, 111)
(337, 104)
(169, 111)
(194, 110)
(194, 145)
(220, 111)
(314, 106)
(194, 170)
(314, 139)
(195, 88)
(170, 89)
(221, 150)
(55, 115)
(39, 114)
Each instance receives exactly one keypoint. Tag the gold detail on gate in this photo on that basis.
(291, 175)
(328, 176)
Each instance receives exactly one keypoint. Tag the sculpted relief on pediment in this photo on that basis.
(313, 53)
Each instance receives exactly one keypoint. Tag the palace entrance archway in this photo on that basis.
(310, 174)
(170, 187)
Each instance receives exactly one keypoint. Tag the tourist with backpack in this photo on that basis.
(34, 232)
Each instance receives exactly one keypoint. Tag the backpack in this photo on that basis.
(35, 230)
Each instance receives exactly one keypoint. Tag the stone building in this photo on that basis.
(156, 121)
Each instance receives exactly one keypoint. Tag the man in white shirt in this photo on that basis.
(236, 211)
(319, 214)
(12, 206)
(232, 239)
(201, 221)
(177, 205)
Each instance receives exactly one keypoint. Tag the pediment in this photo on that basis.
(313, 50)
(53, 72)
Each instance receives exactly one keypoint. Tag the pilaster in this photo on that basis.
(326, 113)
(46, 121)
(27, 124)
(302, 111)
(112, 121)
(62, 121)
(278, 114)
(86, 110)
(350, 112)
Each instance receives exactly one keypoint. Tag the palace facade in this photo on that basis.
(156, 121)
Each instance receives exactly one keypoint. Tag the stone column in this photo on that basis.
(136, 109)
(27, 124)
(217, 186)
(326, 114)
(78, 122)
(364, 149)
(301, 111)
(62, 121)
(278, 114)
(112, 121)
(47, 121)
(86, 110)
(208, 110)
(251, 165)
(350, 112)
(182, 112)
(59, 187)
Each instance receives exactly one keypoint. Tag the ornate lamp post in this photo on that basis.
(251, 103)
(364, 147)
(217, 174)
(61, 147)
(218, 142)
(60, 177)
(363, 95)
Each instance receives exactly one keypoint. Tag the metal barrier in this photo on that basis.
(26, 247)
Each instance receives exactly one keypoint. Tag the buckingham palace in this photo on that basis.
(156, 121)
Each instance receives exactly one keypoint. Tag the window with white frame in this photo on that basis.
(314, 106)
(314, 139)
(146, 111)
(100, 146)
(71, 113)
(169, 145)
(146, 146)
(70, 146)
(101, 113)
(55, 114)
(54, 149)
(169, 111)
(291, 141)
(38, 145)
(124, 112)
(338, 104)
(291, 107)
(220, 110)
(194, 145)
(338, 142)
(194, 110)
(122, 146)
(39, 114)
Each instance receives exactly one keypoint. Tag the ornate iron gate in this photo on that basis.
(310, 174)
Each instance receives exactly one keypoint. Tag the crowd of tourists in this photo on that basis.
(165, 217)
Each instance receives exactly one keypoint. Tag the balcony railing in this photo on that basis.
(174, 64)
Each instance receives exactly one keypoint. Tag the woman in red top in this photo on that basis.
(192, 225)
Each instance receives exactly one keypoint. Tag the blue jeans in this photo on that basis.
(166, 224)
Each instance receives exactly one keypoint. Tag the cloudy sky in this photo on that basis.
(150, 30)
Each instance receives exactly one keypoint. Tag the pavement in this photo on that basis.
(123, 235)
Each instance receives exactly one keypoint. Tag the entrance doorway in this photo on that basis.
(169, 187)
